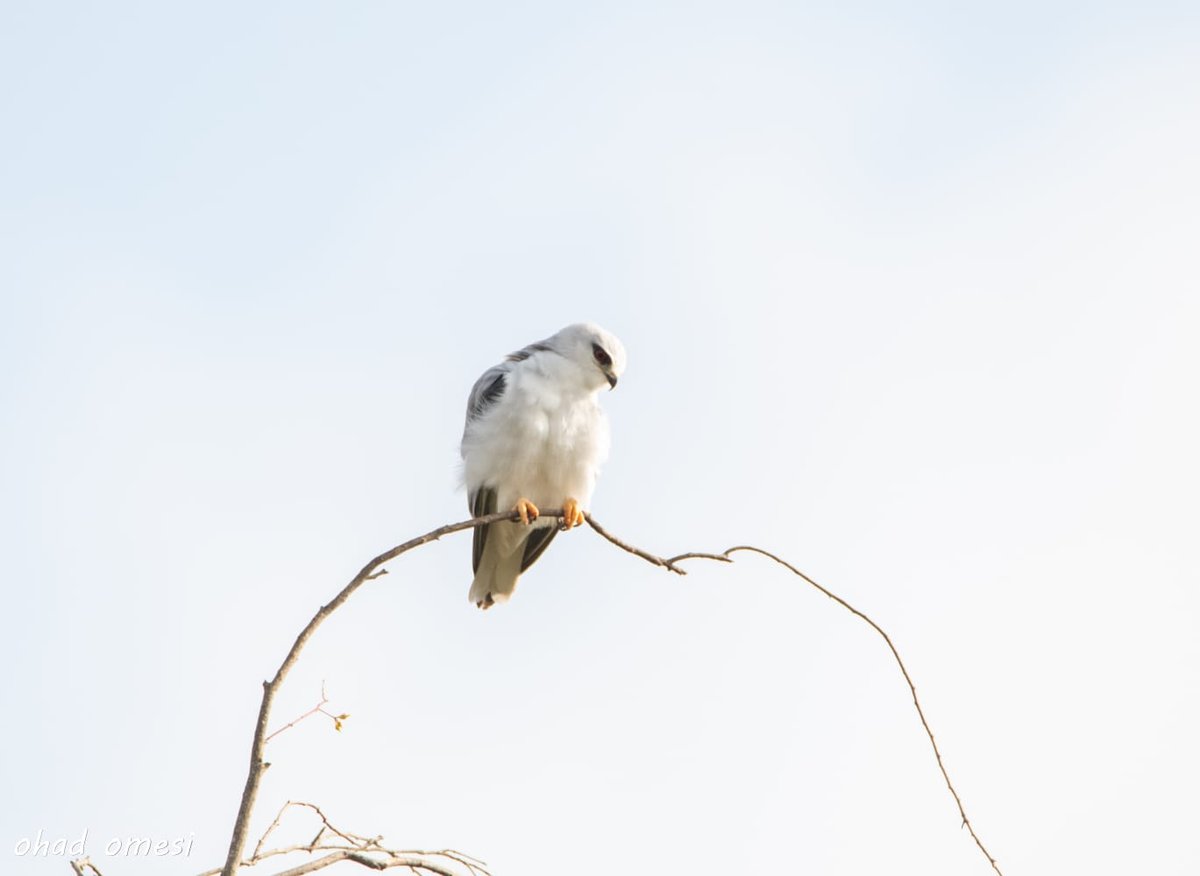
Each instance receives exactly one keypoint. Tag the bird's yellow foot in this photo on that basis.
(527, 510)
(572, 514)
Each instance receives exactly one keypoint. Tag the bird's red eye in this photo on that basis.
(601, 356)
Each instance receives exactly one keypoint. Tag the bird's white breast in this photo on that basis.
(543, 440)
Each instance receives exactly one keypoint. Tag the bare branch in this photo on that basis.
(237, 843)
(337, 845)
(367, 852)
(903, 670)
(693, 555)
(392, 860)
(662, 562)
(725, 558)
(271, 829)
(318, 708)
(351, 838)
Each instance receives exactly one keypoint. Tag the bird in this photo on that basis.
(535, 437)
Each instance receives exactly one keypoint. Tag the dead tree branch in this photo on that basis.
(336, 845)
(237, 844)
(903, 670)
(378, 858)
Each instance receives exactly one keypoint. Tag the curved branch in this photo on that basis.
(725, 558)
(903, 670)
(241, 826)
(373, 570)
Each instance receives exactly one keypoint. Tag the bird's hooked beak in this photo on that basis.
(612, 380)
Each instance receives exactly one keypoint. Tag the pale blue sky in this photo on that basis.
(909, 295)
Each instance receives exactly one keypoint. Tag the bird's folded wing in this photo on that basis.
(539, 539)
(483, 502)
(487, 391)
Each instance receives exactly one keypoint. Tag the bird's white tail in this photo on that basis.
(500, 565)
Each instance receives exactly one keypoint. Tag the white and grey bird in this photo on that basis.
(535, 437)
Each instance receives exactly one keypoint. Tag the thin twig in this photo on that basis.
(653, 559)
(908, 678)
(319, 707)
(328, 825)
(694, 555)
(725, 558)
(267, 833)
(391, 860)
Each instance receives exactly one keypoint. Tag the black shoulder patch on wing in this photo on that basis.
(525, 352)
(488, 395)
(483, 502)
(536, 545)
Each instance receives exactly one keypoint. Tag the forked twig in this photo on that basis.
(336, 845)
(320, 706)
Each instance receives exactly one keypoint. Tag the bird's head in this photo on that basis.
(599, 355)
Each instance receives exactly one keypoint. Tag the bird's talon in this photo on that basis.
(572, 514)
(527, 510)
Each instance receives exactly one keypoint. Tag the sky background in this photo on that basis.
(910, 296)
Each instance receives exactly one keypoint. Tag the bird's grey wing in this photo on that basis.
(525, 352)
(487, 390)
(483, 501)
(491, 385)
(539, 539)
